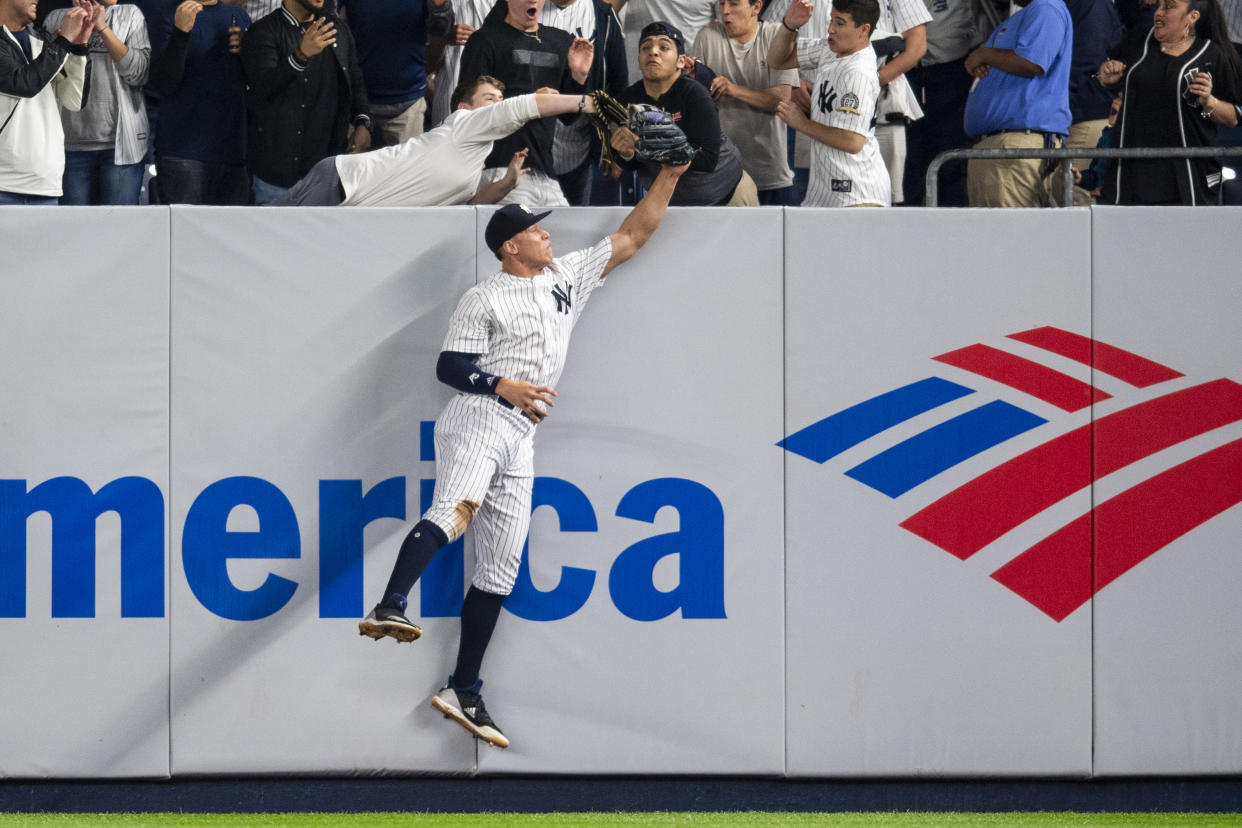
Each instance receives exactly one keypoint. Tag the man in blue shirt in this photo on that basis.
(200, 145)
(1020, 100)
(392, 49)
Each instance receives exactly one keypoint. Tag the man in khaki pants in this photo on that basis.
(1020, 100)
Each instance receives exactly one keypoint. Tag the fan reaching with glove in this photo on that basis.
(653, 133)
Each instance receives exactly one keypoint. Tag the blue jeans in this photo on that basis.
(576, 184)
(92, 177)
(182, 181)
(779, 197)
(802, 175)
(604, 193)
(265, 193)
(19, 198)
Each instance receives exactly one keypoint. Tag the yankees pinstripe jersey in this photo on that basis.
(520, 326)
(899, 16)
(845, 95)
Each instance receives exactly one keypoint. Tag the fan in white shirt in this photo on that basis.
(443, 165)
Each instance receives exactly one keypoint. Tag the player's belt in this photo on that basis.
(506, 404)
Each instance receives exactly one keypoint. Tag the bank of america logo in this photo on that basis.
(1060, 572)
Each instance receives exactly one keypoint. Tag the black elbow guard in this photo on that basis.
(457, 370)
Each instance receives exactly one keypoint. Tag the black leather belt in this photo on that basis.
(1017, 132)
(506, 404)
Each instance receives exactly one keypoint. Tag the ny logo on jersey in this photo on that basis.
(561, 295)
(827, 97)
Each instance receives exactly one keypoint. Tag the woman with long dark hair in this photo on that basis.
(1179, 82)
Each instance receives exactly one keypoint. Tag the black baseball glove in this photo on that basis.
(659, 138)
(608, 115)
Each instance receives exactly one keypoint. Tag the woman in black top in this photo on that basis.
(1178, 83)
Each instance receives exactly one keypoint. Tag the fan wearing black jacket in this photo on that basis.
(527, 57)
(305, 97)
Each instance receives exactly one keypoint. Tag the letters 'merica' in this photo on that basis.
(345, 509)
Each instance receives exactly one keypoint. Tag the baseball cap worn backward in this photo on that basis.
(507, 222)
(667, 30)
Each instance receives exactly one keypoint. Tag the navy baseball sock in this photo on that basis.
(478, 620)
(417, 550)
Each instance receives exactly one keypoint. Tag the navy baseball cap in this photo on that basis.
(667, 30)
(507, 222)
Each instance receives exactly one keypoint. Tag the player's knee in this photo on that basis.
(497, 577)
(463, 513)
(452, 518)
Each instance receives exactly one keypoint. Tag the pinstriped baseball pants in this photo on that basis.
(485, 468)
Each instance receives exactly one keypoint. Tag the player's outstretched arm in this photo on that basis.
(646, 216)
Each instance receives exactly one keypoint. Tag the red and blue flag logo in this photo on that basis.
(1060, 572)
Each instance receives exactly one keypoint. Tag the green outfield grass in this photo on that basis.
(597, 820)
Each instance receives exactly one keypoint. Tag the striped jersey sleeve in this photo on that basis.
(811, 53)
(585, 269)
(470, 327)
(899, 16)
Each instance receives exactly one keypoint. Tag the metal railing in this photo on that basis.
(1063, 155)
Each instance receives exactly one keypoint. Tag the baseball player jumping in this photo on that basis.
(504, 352)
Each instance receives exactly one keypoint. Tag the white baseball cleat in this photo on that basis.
(385, 621)
(467, 709)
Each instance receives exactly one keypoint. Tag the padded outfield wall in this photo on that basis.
(825, 494)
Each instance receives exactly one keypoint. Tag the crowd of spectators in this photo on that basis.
(791, 102)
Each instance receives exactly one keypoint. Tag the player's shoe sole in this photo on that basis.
(377, 628)
(444, 701)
